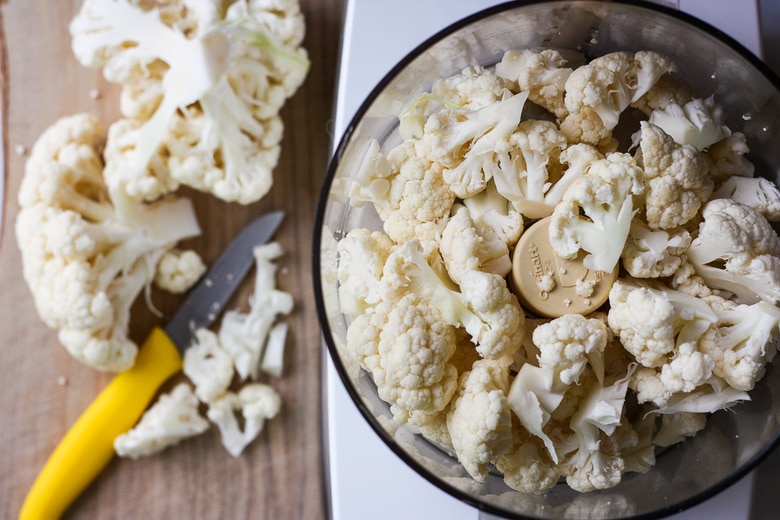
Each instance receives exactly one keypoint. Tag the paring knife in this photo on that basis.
(89, 444)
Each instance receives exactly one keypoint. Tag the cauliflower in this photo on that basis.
(171, 419)
(568, 344)
(526, 466)
(529, 166)
(676, 178)
(610, 83)
(743, 341)
(244, 335)
(596, 211)
(202, 90)
(179, 270)
(727, 158)
(208, 365)
(472, 89)
(654, 253)
(489, 209)
(757, 193)
(256, 402)
(652, 322)
(678, 426)
(465, 142)
(362, 255)
(84, 263)
(464, 247)
(668, 89)
(540, 72)
(698, 123)
(479, 421)
(406, 346)
(737, 250)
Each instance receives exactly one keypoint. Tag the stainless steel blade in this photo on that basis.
(207, 299)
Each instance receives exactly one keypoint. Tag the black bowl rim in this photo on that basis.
(664, 511)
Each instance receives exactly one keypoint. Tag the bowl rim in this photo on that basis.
(322, 200)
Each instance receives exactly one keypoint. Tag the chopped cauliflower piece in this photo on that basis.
(465, 247)
(256, 402)
(173, 418)
(179, 270)
(208, 365)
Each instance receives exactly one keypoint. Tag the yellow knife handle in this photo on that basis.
(89, 444)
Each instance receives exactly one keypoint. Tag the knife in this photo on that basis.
(89, 444)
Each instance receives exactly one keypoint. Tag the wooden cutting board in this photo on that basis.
(44, 390)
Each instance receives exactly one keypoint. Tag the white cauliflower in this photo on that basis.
(489, 209)
(526, 466)
(568, 344)
(361, 257)
(85, 263)
(202, 90)
(727, 158)
(178, 270)
(466, 247)
(471, 89)
(244, 335)
(596, 211)
(698, 122)
(757, 193)
(479, 421)
(676, 179)
(654, 253)
(208, 365)
(173, 418)
(256, 403)
(737, 250)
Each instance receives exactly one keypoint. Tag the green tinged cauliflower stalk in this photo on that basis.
(202, 88)
(676, 212)
(84, 262)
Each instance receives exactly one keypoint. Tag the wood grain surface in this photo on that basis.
(43, 390)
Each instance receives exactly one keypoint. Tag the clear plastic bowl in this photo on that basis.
(733, 442)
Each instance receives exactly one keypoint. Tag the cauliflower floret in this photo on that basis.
(540, 72)
(596, 212)
(85, 263)
(244, 335)
(479, 420)
(676, 179)
(362, 255)
(688, 369)
(257, 402)
(526, 466)
(610, 83)
(668, 89)
(529, 166)
(464, 247)
(727, 158)
(210, 84)
(698, 123)
(465, 142)
(474, 88)
(179, 270)
(208, 365)
(568, 344)
(489, 298)
(737, 250)
(406, 346)
(173, 418)
(586, 127)
(489, 209)
(743, 342)
(676, 427)
(757, 193)
(652, 322)
(654, 253)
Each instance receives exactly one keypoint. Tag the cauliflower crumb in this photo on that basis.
(584, 288)
(546, 283)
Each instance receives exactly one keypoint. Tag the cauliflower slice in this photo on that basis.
(173, 418)
(479, 420)
(84, 262)
(596, 211)
(737, 250)
(244, 335)
(676, 179)
(202, 91)
(256, 402)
